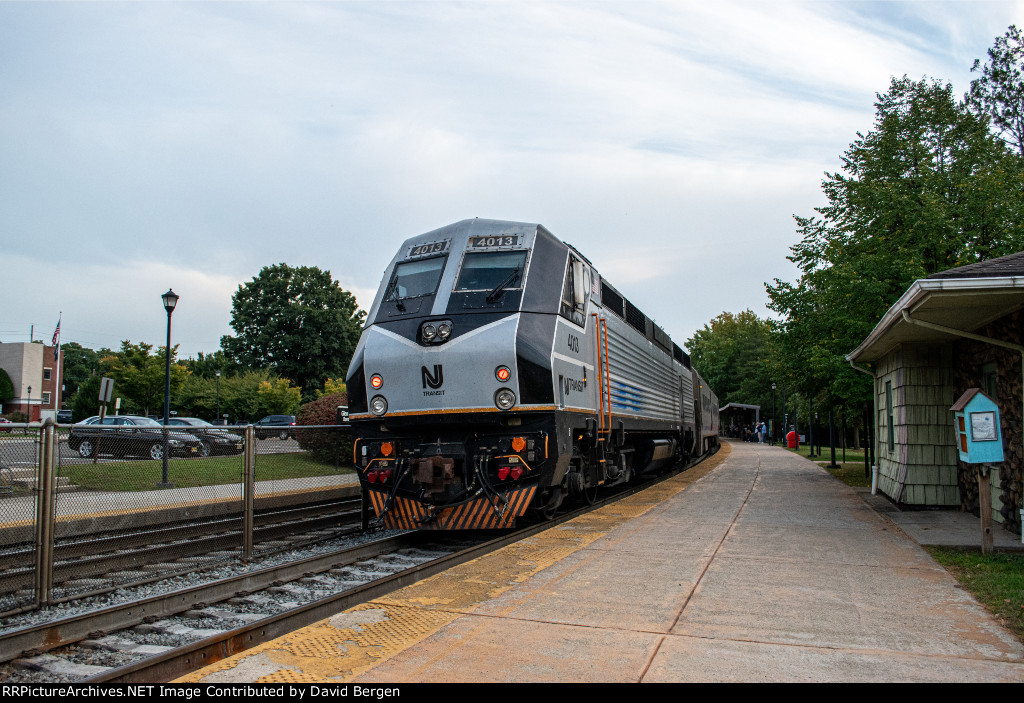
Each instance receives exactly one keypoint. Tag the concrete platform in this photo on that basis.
(758, 566)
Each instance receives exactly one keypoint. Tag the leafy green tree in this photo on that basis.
(297, 321)
(207, 365)
(279, 397)
(79, 363)
(929, 188)
(999, 92)
(6, 387)
(733, 353)
(139, 377)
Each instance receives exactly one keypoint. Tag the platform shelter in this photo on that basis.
(734, 417)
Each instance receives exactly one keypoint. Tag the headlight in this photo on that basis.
(376, 380)
(378, 406)
(444, 331)
(428, 331)
(504, 399)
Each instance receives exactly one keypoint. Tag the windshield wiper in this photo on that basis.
(500, 288)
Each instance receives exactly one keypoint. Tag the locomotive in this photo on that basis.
(498, 372)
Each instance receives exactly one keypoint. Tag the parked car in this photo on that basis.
(3, 422)
(280, 426)
(129, 435)
(64, 417)
(214, 439)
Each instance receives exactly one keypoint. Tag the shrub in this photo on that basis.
(324, 445)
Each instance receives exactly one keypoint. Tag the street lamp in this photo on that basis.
(771, 439)
(170, 299)
(218, 396)
(29, 418)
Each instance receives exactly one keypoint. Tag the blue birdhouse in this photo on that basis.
(976, 420)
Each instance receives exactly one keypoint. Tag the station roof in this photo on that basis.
(965, 298)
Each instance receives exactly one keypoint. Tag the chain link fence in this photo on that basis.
(90, 506)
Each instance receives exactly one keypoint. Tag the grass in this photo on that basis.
(995, 580)
(143, 475)
(850, 472)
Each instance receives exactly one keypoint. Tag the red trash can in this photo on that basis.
(792, 441)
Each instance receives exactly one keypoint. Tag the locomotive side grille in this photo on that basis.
(612, 300)
(636, 319)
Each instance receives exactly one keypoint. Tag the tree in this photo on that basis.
(298, 322)
(79, 364)
(139, 376)
(999, 92)
(929, 188)
(6, 387)
(279, 397)
(733, 354)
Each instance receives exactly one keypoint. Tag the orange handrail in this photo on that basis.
(600, 374)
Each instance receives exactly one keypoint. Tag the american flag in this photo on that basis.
(56, 341)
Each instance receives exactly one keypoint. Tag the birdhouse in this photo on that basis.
(976, 421)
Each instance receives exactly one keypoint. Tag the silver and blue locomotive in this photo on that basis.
(498, 372)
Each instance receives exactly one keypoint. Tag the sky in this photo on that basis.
(186, 145)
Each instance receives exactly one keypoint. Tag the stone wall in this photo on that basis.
(969, 357)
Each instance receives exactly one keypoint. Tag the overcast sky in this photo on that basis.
(185, 145)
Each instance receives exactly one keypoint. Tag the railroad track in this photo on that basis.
(164, 636)
(103, 563)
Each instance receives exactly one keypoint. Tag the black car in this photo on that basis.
(64, 417)
(129, 435)
(215, 440)
(280, 426)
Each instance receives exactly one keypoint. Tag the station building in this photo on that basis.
(952, 331)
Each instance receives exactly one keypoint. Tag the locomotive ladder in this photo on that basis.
(603, 379)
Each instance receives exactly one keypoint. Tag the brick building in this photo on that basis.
(32, 365)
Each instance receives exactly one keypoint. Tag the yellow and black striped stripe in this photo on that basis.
(478, 514)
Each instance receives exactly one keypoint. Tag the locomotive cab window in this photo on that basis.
(493, 271)
(413, 279)
(574, 292)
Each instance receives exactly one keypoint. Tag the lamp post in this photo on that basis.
(218, 396)
(28, 419)
(170, 299)
(771, 438)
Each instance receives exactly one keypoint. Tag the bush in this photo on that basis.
(324, 445)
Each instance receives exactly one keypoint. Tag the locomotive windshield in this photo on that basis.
(415, 278)
(492, 271)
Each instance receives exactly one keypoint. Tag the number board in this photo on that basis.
(432, 248)
(500, 240)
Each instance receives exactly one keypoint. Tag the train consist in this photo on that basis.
(499, 372)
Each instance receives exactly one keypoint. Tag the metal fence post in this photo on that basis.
(248, 491)
(45, 503)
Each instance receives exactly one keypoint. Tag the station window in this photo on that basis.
(46, 374)
(989, 379)
(46, 398)
(888, 413)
